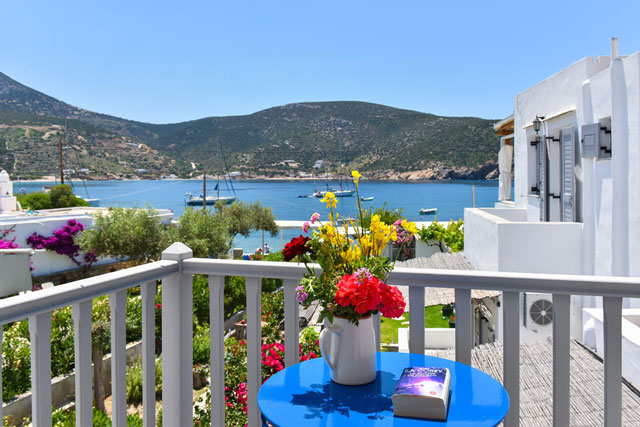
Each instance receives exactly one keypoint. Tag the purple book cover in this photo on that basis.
(428, 382)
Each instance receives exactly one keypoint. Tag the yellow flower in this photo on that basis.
(356, 177)
(330, 199)
(409, 226)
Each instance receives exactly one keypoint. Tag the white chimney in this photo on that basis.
(614, 48)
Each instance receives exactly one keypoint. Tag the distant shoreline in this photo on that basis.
(48, 180)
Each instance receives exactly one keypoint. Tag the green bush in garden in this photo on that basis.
(204, 232)
(67, 418)
(60, 196)
(134, 382)
(136, 234)
(452, 235)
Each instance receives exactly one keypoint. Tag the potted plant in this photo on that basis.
(447, 310)
(352, 286)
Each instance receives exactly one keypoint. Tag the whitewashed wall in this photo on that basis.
(47, 262)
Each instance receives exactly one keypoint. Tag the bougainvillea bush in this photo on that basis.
(62, 242)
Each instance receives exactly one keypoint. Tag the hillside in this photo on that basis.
(29, 148)
(374, 138)
(381, 141)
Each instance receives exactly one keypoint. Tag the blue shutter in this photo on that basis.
(568, 176)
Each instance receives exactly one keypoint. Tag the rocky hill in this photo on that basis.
(383, 142)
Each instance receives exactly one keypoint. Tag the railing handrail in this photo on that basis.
(564, 284)
(33, 303)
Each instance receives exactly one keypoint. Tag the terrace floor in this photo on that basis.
(536, 383)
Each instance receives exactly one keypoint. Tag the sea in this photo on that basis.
(283, 197)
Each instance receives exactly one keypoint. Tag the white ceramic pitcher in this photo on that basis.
(350, 351)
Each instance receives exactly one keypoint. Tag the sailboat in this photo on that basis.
(93, 202)
(337, 191)
(209, 200)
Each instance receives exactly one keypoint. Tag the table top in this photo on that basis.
(304, 395)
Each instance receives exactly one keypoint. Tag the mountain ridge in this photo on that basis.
(289, 139)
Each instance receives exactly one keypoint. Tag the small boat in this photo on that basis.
(429, 211)
(366, 199)
(211, 200)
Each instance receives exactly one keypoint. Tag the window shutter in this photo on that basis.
(568, 177)
(542, 177)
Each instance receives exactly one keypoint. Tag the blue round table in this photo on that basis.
(304, 395)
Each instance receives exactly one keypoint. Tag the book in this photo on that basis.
(422, 392)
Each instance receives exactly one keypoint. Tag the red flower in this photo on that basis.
(393, 303)
(296, 246)
(364, 296)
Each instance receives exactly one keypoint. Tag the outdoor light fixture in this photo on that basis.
(537, 122)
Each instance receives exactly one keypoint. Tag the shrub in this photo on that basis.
(452, 235)
(204, 232)
(136, 234)
(201, 345)
(67, 418)
(60, 196)
(134, 382)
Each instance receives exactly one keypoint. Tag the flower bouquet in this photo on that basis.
(352, 286)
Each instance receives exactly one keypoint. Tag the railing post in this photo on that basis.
(177, 342)
(216, 331)
(148, 294)
(40, 334)
(511, 349)
(82, 346)
(118, 303)
(254, 361)
(464, 327)
(416, 319)
(612, 307)
(291, 323)
(1, 330)
(561, 373)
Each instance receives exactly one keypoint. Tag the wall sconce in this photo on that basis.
(537, 122)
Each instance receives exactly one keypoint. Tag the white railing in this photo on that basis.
(176, 271)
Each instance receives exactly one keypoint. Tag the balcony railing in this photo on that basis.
(176, 270)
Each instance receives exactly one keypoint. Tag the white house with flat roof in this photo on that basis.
(576, 203)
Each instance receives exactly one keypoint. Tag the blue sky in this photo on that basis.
(173, 61)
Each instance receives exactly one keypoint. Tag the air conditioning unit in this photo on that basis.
(538, 312)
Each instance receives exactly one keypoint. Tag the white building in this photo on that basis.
(576, 207)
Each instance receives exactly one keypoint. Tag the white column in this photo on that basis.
(291, 323)
(118, 303)
(612, 361)
(254, 361)
(148, 294)
(216, 314)
(0, 369)
(82, 348)
(512, 356)
(416, 319)
(40, 334)
(561, 377)
(619, 171)
(464, 327)
(177, 342)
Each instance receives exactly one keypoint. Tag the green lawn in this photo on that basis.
(432, 319)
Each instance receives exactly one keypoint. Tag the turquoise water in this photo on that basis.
(450, 198)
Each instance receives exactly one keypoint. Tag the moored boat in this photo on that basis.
(429, 211)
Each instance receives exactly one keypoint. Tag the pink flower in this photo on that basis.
(397, 223)
(315, 217)
(305, 227)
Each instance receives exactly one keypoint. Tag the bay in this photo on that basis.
(449, 197)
